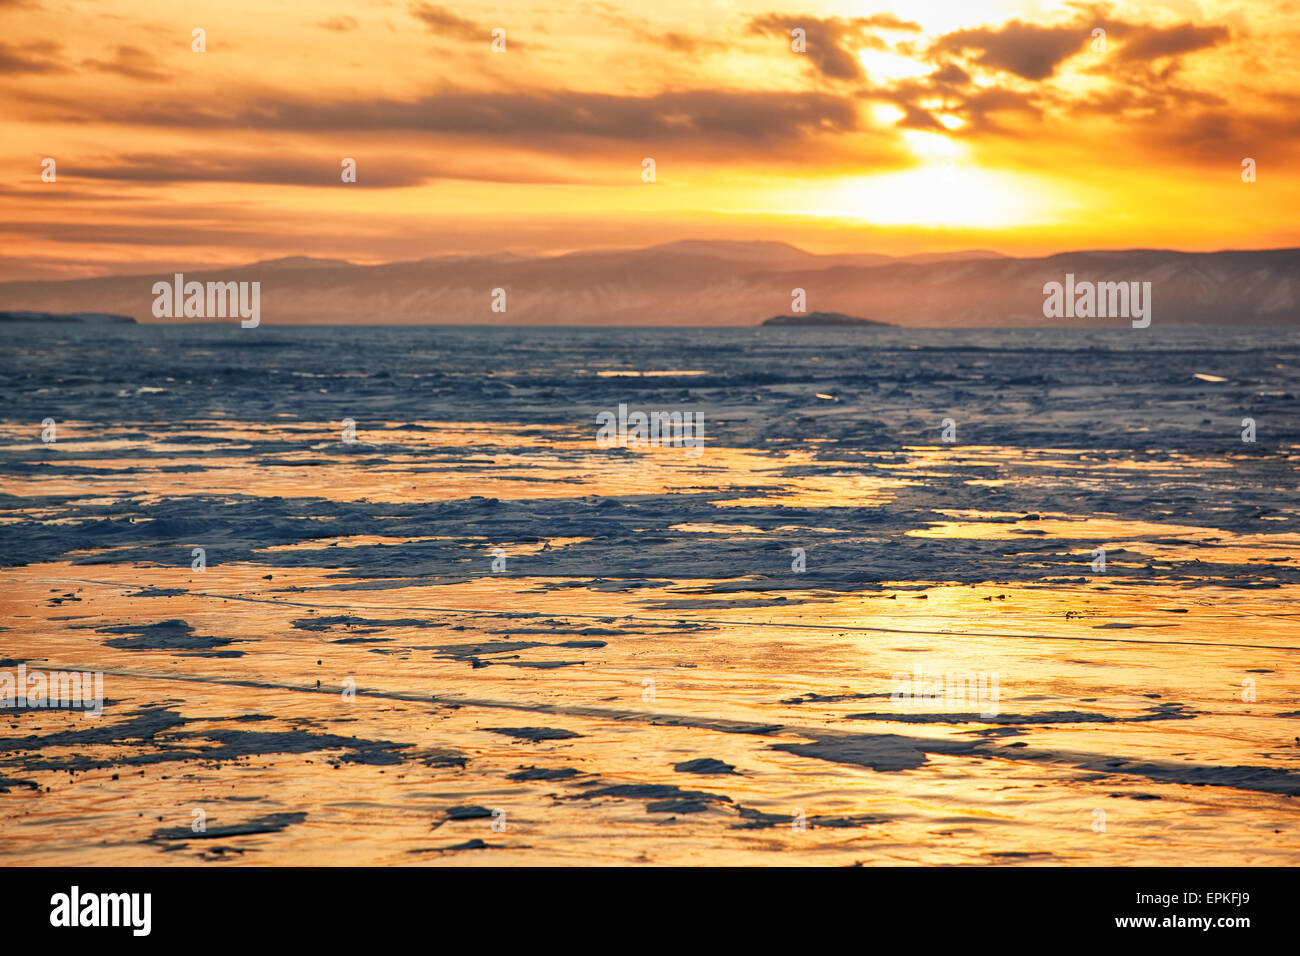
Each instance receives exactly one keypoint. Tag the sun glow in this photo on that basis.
(887, 114)
(933, 147)
(938, 194)
(890, 66)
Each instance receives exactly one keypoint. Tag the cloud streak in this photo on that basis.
(527, 117)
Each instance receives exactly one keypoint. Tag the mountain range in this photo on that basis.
(701, 283)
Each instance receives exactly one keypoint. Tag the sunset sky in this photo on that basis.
(904, 127)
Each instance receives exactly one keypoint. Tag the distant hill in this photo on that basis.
(716, 283)
(26, 316)
(952, 256)
(301, 262)
(819, 318)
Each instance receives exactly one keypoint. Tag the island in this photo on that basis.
(821, 318)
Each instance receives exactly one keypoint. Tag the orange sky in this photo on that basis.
(903, 127)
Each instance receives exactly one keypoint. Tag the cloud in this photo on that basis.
(35, 57)
(49, 192)
(339, 24)
(444, 22)
(130, 62)
(833, 43)
(529, 118)
(1220, 138)
(980, 106)
(950, 74)
(647, 33)
(1024, 49)
(1153, 43)
(380, 172)
(1035, 52)
(824, 44)
(205, 168)
(686, 43)
(149, 234)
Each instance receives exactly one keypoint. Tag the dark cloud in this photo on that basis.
(978, 106)
(981, 106)
(687, 43)
(1152, 43)
(381, 172)
(832, 44)
(56, 192)
(528, 118)
(130, 62)
(444, 22)
(1222, 137)
(1024, 49)
(1144, 92)
(1034, 52)
(35, 57)
(206, 168)
(822, 44)
(950, 74)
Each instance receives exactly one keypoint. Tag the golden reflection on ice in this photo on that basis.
(1114, 693)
